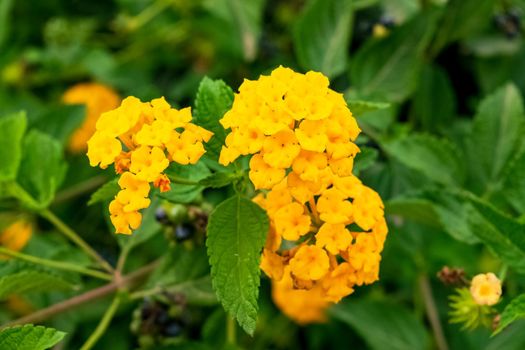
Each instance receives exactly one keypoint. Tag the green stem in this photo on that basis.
(79, 189)
(177, 180)
(103, 325)
(231, 331)
(122, 259)
(149, 13)
(432, 312)
(74, 237)
(56, 264)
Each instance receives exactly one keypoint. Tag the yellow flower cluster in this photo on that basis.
(485, 289)
(327, 228)
(16, 235)
(142, 138)
(98, 99)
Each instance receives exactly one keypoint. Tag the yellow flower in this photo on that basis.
(263, 175)
(337, 284)
(485, 289)
(103, 149)
(333, 237)
(308, 165)
(309, 263)
(272, 264)
(148, 163)
(123, 221)
(281, 149)
(300, 136)
(16, 235)
(312, 135)
(334, 208)
(142, 138)
(302, 306)
(98, 99)
(291, 222)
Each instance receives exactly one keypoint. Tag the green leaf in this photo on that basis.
(60, 121)
(434, 103)
(461, 19)
(106, 192)
(181, 193)
(213, 99)
(383, 325)
(5, 22)
(247, 16)
(180, 265)
(513, 311)
(436, 208)
(321, 36)
(497, 133)
(504, 236)
(364, 159)
(42, 168)
(513, 187)
(218, 179)
(388, 68)
(29, 337)
(28, 280)
(236, 234)
(438, 159)
(12, 129)
(358, 107)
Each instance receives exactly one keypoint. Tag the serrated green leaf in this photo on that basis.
(213, 99)
(321, 36)
(60, 121)
(31, 281)
(434, 102)
(388, 68)
(29, 337)
(181, 193)
(358, 107)
(106, 192)
(513, 187)
(438, 159)
(12, 129)
(497, 133)
(383, 325)
(42, 168)
(513, 311)
(504, 236)
(236, 234)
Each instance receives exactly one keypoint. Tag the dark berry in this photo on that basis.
(162, 317)
(173, 329)
(184, 231)
(161, 215)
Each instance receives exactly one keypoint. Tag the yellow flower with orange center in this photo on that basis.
(485, 289)
(327, 229)
(141, 139)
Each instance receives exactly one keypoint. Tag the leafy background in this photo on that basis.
(439, 100)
